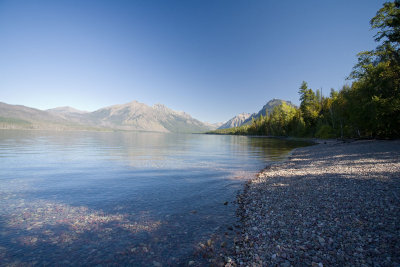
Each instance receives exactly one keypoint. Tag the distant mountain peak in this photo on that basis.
(132, 116)
(235, 121)
(270, 105)
(246, 118)
(162, 107)
(158, 105)
(66, 109)
(133, 102)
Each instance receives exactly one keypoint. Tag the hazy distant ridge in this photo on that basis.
(66, 110)
(141, 117)
(131, 116)
(235, 121)
(22, 117)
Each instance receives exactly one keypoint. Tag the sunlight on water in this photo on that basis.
(80, 198)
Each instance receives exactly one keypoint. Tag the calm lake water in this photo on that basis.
(141, 199)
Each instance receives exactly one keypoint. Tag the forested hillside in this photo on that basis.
(367, 108)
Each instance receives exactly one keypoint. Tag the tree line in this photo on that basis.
(368, 108)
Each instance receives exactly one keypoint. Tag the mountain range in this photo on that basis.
(133, 116)
(247, 118)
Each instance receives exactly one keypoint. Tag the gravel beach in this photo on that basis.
(332, 204)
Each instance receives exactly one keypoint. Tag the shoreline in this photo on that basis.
(334, 203)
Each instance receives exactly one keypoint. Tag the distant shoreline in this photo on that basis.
(335, 203)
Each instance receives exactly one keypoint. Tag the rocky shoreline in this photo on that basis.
(332, 204)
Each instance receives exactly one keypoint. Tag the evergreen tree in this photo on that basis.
(376, 76)
(309, 107)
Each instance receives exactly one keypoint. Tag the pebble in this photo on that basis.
(334, 204)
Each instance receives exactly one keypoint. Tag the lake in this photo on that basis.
(123, 198)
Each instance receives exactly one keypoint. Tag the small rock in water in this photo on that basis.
(191, 263)
(226, 203)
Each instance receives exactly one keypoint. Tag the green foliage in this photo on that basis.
(369, 107)
(15, 121)
(387, 21)
(280, 121)
(376, 86)
(242, 130)
(325, 131)
(309, 106)
(284, 120)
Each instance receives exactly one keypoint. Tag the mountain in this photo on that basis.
(269, 107)
(140, 117)
(214, 125)
(235, 121)
(22, 117)
(246, 118)
(66, 110)
(17, 116)
(71, 114)
(131, 116)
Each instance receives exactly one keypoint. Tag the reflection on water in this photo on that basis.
(145, 199)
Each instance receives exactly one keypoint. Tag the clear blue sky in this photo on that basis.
(212, 59)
